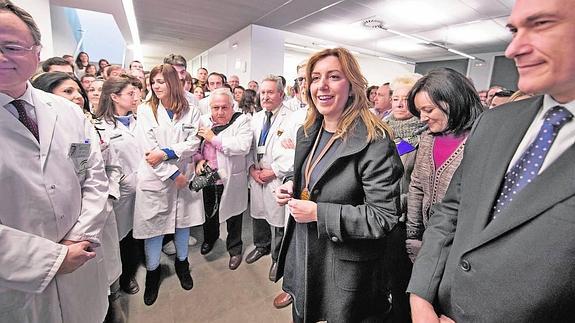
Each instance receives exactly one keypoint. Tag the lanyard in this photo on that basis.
(309, 167)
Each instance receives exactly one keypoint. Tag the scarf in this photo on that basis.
(407, 130)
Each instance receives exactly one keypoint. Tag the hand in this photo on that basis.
(422, 311)
(284, 193)
(206, 133)
(78, 253)
(288, 144)
(255, 174)
(267, 175)
(200, 166)
(155, 157)
(303, 211)
(412, 247)
(181, 181)
(445, 319)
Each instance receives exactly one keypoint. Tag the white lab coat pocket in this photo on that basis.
(155, 196)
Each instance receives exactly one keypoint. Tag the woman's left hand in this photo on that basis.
(303, 211)
(155, 157)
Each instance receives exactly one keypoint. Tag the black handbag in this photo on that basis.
(208, 177)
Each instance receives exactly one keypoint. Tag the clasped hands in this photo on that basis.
(262, 176)
(302, 211)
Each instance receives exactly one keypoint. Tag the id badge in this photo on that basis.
(261, 150)
(79, 153)
(188, 127)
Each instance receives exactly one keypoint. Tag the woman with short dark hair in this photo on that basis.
(448, 104)
(64, 85)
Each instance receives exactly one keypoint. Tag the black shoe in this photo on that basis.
(256, 254)
(206, 248)
(235, 262)
(115, 313)
(129, 285)
(183, 273)
(273, 271)
(152, 285)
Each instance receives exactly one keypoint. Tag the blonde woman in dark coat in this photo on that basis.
(343, 200)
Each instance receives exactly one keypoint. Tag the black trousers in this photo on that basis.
(263, 237)
(398, 268)
(212, 225)
(131, 255)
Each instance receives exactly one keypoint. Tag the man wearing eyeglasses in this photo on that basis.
(55, 188)
(298, 101)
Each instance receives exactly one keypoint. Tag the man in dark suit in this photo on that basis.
(501, 245)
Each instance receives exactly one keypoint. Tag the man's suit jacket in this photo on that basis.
(521, 266)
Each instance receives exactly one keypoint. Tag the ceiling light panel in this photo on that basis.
(490, 8)
(476, 33)
(400, 45)
(413, 15)
(342, 31)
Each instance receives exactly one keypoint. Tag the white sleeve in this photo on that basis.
(28, 262)
(94, 194)
(240, 143)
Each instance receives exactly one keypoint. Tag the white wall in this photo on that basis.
(238, 59)
(480, 72)
(62, 33)
(102, 37)
(378, 71)
(40, 11)
(267, 54)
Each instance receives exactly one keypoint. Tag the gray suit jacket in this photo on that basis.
(520, 267)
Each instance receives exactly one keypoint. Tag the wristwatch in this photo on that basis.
(165, 156)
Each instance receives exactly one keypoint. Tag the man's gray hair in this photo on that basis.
(222, 91)
(7, 5)
(277, 79)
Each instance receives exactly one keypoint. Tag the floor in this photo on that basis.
(220, 295)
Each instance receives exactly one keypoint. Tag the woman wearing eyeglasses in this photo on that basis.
(119, 98)
(167, 128)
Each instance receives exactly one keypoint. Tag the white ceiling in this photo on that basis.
(190, 27)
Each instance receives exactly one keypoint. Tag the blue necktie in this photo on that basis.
(265, 129)
(529, 164)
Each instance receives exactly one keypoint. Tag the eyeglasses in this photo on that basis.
(131, 93)
(16, 50)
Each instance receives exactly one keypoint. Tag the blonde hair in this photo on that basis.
(357, 105)
(519, 95)
(405, 80)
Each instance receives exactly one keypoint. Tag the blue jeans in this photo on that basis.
(153, 247)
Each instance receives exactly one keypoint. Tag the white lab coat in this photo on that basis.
(236, 142)
(122, 167)
(45, 201)
(279, 159)
(160, 207)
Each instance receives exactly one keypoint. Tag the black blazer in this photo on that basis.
(520, 267)
(358, 203)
